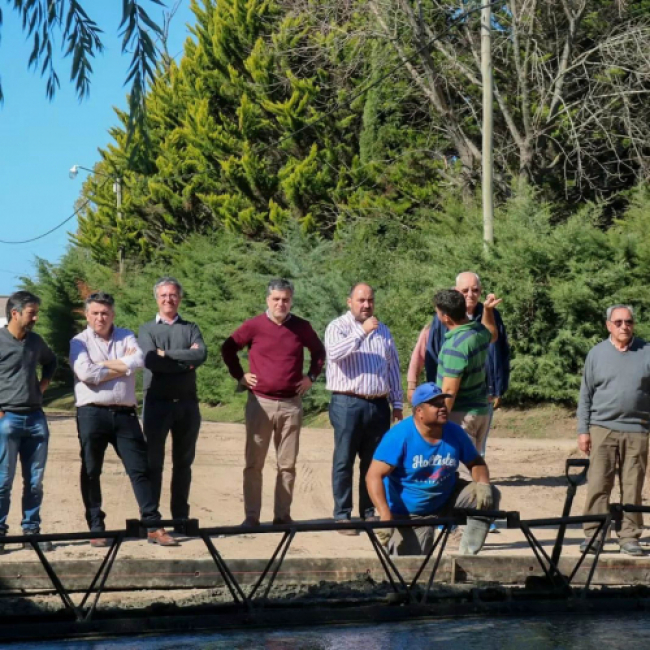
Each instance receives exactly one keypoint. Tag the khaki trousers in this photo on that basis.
(477, 428)
(631, 450)
(419, 540)
(265, 419)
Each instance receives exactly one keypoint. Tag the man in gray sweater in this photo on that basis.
(173, 348)
(613, 423)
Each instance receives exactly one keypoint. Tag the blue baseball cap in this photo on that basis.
(426, 392)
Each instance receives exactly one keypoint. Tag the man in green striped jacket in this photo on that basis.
(461, 362)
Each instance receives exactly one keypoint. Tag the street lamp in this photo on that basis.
(117, 188)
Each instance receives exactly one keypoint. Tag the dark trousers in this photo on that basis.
(183, 419)
(98, 427)
(359, 424)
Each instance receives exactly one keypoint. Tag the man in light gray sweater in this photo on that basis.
(613, 423)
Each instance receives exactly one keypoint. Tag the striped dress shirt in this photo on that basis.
(360, 363)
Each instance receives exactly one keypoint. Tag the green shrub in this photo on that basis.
(556, 282)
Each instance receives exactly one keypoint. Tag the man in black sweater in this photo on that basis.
(173, 348)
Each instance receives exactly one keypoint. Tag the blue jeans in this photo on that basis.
(359, 424)
(24, 436)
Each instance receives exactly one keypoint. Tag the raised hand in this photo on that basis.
(491, 301)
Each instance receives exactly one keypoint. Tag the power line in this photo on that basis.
(51, 230)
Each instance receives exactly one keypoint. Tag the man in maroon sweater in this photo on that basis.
(276, 340)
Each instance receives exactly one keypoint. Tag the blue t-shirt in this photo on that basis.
(425, 475)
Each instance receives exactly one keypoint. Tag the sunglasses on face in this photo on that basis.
(619, 323)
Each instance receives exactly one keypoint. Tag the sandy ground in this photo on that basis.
(529, 472)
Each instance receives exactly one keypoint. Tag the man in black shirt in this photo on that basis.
(24, 432)
(173, 348)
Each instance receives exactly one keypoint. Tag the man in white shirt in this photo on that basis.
(104, 359)
(364, 377)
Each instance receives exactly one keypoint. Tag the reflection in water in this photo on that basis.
(561, 632)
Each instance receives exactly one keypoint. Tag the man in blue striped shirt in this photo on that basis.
(364, 377)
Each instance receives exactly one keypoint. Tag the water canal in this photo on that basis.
(555, 632)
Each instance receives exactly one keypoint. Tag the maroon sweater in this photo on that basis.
(276, 354)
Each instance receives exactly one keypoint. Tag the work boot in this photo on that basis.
(632, 548)
(46, 547)
(349, 532)
(250, 522)
(2, 545)
(474, 536)
(594, 547)
(279, 521)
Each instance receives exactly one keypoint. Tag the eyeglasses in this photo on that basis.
(619, 323)
(101, 298)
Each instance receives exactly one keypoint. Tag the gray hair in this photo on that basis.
(279, 284)
(100, 297)
(470, 273)
(613, 308)
(167, 280)
(19, 300)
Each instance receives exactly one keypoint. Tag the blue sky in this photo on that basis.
(41, 140)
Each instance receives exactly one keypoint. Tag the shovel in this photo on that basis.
(574, 479)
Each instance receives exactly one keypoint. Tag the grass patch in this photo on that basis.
(534, 422)
(58, 398)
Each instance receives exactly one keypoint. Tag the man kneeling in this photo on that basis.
(414, 475)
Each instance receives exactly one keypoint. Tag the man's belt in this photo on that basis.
(359, 395)
(118, 408)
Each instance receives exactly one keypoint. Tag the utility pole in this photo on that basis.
(488, 124)
(117, 188)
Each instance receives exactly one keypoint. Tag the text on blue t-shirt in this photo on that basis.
(425, 474)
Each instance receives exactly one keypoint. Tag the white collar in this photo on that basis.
(626, 348)
(160, 319)
(268, 315)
